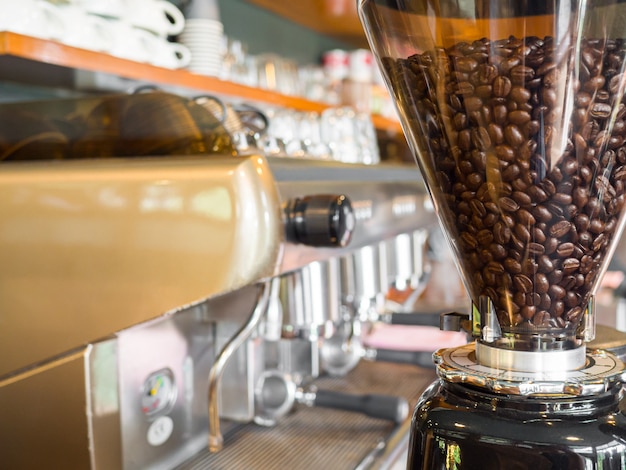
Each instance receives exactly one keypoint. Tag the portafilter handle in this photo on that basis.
(388, 407)
(276, 394)
(417, 358)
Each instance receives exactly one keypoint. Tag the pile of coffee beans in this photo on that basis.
(522, 144)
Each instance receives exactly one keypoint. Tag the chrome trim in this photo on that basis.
(216, 440)
(530, 361)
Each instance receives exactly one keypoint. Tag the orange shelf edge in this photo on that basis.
(54, 53)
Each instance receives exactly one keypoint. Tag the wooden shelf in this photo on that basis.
(43, 52)
(335, 18)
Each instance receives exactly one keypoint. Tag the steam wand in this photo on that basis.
(216, 440)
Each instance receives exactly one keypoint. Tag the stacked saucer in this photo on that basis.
(205, 40)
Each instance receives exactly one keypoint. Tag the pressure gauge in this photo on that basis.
(158, 393)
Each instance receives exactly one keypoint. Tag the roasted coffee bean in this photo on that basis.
(570, 265)
(545, 302)
(523, 283)
(535, 202)
(616, 84)
(465, 65)
(473, 103)
(522, 232)
(490, 219)
(541, 318)
(501, 233)
(557, 308)
(545, 264)
(560, 229)
(564, 250)
(521, 74)
(469, 240)
(556, 292)
(596, 226)
(537, 194)
(598, 242)
(505, 153)
(513, 136)
(507, 204)
(474, 180)
(501, 86)
(477, 207)
(525, 217)
(522, 198)
(528, 312)
(549, 97)
(497, 251)
(541, 283)
(520, 94)
(511, 172)
(555, 276)
(500, 114)
(542, 213)
(532, 299)
(536, 249)
(480, 138)
(539, 234)
(594, 83)
(484, 237)
(568, 282)
(572, 299)
(512, 266)
(600, 110)
(530, 267)
(496, 134)
(582, 99)
(551, 245)
(495, 267)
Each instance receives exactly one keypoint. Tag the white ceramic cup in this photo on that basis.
(157, 16)
(85, 30)
(127, 43)
(161, 52)
(35, 18)
(106, 8)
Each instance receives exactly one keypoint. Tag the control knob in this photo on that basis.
(322, 220)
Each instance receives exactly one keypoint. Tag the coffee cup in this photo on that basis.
(127, 43)
(35, 18)
(105, 8)
(86, 31)
(157, 16)
(161, 52)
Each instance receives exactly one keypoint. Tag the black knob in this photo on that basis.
(320, 220)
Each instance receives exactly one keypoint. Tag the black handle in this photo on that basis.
(418, 358)
(320, 220)
(414, 319)
(375, 406)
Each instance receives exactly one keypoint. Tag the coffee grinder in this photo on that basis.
(515, 113)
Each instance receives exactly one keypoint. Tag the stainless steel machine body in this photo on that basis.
(142, 296)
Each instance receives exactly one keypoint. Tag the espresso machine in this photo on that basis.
(515, 114)
(163, 295)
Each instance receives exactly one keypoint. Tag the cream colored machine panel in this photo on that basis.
(89, 248)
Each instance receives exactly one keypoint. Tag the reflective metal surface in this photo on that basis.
(105, 244)
(163, 258)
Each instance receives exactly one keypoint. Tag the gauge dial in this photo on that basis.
(158, 393)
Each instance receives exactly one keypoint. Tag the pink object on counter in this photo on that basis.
(413, 338)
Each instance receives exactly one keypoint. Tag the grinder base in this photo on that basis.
(481, 417)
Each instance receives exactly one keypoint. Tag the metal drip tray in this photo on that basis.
(318, 438)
